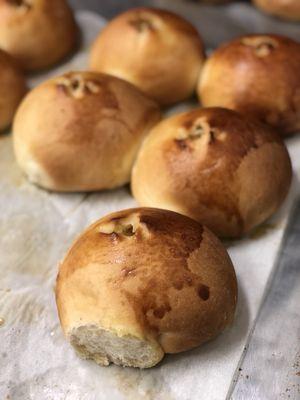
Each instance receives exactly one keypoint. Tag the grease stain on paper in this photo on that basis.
(136, 384)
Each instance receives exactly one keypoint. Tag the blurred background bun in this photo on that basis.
(289, 9)
(12, 88)
(38, 33)
(81, 131)
(216, 166)
(156, 50)
(258, 75)
(140, 283)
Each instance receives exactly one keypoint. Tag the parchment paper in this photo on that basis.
(36, 228)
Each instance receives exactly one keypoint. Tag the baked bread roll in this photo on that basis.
(12, 89)
(156, 50)
(38, 33)
(144, 282)
(81, 131)
(258, 75)
(289, 9)
(214, 165)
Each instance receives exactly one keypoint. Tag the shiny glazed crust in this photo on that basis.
(257, 75)
(150, 274)
(156, 50)
(216, 166)
(81, 131)
(38, 33)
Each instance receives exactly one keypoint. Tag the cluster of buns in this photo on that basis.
(144, 282)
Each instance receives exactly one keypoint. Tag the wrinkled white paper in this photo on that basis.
(37, 227)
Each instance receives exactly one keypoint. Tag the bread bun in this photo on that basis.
(216, 166)
(81, 131)
(258, 75)
(289, 9)
(144, 282)
(156, 50)
(12, 89)
(38, 33)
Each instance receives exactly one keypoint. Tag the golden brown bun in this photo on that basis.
(81, 131)
(12, 89)
(38, 33)
(289, 9)
(156, 50)
(216, 166)
(258, 75)
(148, 280)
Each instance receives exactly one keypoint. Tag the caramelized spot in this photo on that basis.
(114, 237)
(192, 130)
(196, 132)
(263, 45)
(211, 136)
(187, 124)
(161, 311)
(128, 272)
(74, 84)
(141, 24)
(128, 230)
(77, 86)
(203, 292)
(181, 143)
(189, 280)
(120, 226)
(23, 5)
(178, 284)
(222, 136)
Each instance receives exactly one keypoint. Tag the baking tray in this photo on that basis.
(36, 229)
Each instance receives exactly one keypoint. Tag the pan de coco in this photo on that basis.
(38, 33)
(289, 9)
(216, 166)
(81, 131)
(143, 282)
(156, 50)
(12, 88)
(257, 75)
